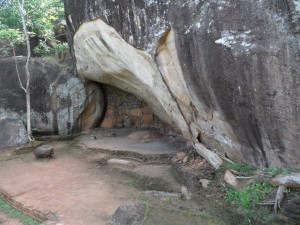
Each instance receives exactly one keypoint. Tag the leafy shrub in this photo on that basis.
(8, 38)
(42, 49)
(62, 47)
(273, 171)
(250, 196)
(12, 36)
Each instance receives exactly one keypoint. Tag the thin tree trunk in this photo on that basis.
(25, 31)
(29, 130)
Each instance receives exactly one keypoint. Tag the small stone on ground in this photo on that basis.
(44, 151)
(120, 162)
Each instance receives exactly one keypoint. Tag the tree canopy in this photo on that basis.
(41, 15)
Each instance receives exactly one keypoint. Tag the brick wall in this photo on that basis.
(126, 110)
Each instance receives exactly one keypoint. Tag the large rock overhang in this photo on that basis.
(226, 75)
(102, 55)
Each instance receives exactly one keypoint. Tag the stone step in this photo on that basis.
(120, 162)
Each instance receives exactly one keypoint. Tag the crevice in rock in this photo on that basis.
(162, 41)
(199, 137)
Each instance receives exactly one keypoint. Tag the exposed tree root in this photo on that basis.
(282, 181)
(279, 197)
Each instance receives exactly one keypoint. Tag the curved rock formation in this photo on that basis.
(60, 102)
(224, 72)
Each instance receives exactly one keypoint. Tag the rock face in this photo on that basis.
(129, 214)
(44, 151)
(12, 133)
(223, 72)
(61, 103)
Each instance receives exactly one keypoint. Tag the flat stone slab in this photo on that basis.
(121, 142)
(119, 162)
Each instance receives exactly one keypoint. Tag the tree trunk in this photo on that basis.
(27, 88)
(28, 107)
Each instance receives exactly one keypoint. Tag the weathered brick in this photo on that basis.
(109, 112)
(147, 119)
(147, 110)
(136, 112)
(112, 107)
(108, 123)
(120, 120)
(135, 121)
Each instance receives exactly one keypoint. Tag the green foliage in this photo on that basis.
(143, 197)
(273, 171)
(42, 49)
(239, 167)
(27, 220)
(13, 35)
(8, 38)
(62, 47)
(40, 15)
(250, 196)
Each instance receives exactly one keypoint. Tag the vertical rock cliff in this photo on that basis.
(223, 72)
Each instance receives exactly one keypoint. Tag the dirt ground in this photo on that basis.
(76, 187)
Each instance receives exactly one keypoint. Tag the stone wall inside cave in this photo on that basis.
(124, 110)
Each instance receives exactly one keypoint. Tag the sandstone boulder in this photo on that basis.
(12, 133)
(60, 102)
(44, 151)
(129, 214)
(226, 73)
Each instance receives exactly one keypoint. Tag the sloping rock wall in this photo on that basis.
(224, 72)
(60, 102)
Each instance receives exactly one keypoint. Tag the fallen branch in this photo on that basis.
(242, 177)
(266, 203)
(212, 158)
(283, 182)
(238, 173)
(279, 197)
(291, 180)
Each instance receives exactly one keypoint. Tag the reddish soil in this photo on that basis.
(76, 187)
(74, 191)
